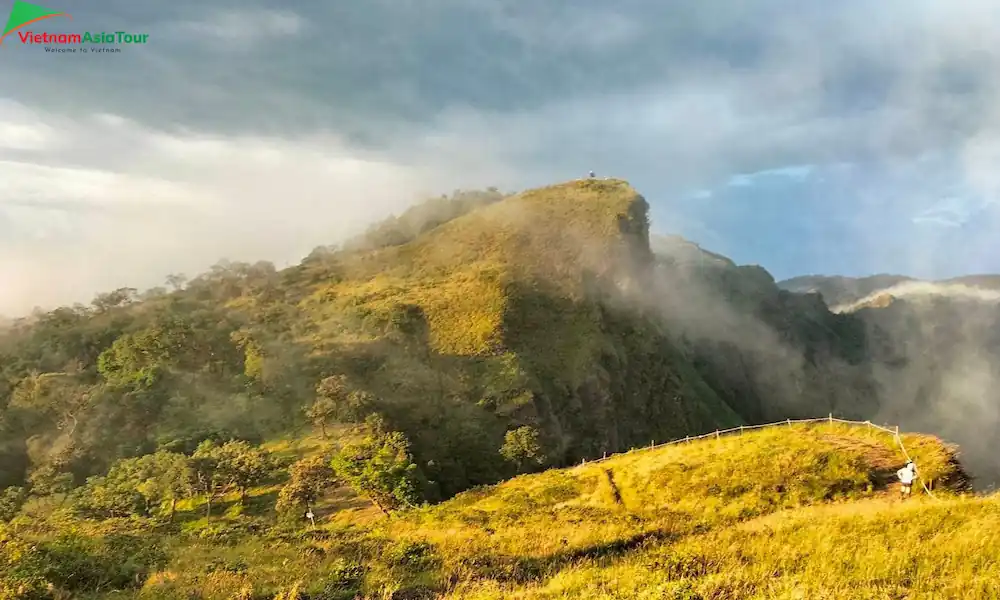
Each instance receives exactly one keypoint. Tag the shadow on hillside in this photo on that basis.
(256, 505)
(341, 498)
(524, 569)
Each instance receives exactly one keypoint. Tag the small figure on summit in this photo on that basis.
(591, 174)
(906, 476)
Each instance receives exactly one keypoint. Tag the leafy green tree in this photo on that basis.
(335, 401)
(522, 447)
(138, 486)
(321, 412)
(381, 468)
(139, 358)
(110, 496)
(50, 479)
(308, 478)
(242, 465)
(209, 476)
(11, 500)
(169, 478)
(120, 297)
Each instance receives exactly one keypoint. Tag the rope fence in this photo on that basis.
(718, 433)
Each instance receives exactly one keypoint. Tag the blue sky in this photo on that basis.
(850, 138)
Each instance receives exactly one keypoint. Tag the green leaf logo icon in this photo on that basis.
(23, 14)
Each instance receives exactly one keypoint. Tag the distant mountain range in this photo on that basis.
(842, 293)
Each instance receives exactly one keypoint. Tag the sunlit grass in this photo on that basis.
(787, 512)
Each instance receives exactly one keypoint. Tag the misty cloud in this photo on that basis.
(917, 290)
(141, 203)
(334, 114)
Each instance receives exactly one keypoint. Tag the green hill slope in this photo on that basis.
(518, 316)
(167, 444)
(543, 315)
(769, 514)
(456, 323)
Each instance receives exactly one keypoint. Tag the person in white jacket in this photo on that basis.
(906, 476)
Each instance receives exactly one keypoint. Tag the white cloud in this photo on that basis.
(18, 135)
(22, 137)
(951, 212)
(152, 202)
(916, 290)
(937, 220)
(797, 173)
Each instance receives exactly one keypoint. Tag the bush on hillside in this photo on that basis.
(77, 563)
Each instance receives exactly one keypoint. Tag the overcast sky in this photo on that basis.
(810, 137)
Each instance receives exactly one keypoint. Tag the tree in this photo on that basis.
(176, 281)
(209, 478)
(336, 401)
(11, 500)
(120, 297)
(114, 495)
(138, 485)
(381, 468)
(53, 396)
(308, 478)
(50, 479)
(170, 478)
(321, 412)
(522, 447)
(242, 465)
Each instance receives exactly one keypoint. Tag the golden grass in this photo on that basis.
(704, 520)
(458, 272)
(800, 511)
(872, 549)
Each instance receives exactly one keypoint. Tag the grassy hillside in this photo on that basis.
(456, 324)
(769, 514)
(169, 443)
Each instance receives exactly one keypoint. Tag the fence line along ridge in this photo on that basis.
(721, 432)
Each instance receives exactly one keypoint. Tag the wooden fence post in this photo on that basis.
(789, 422)
(716, 434)
(831, 418)
(741, 430)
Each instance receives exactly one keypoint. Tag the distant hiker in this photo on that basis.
(591, 174)
(906, 476)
